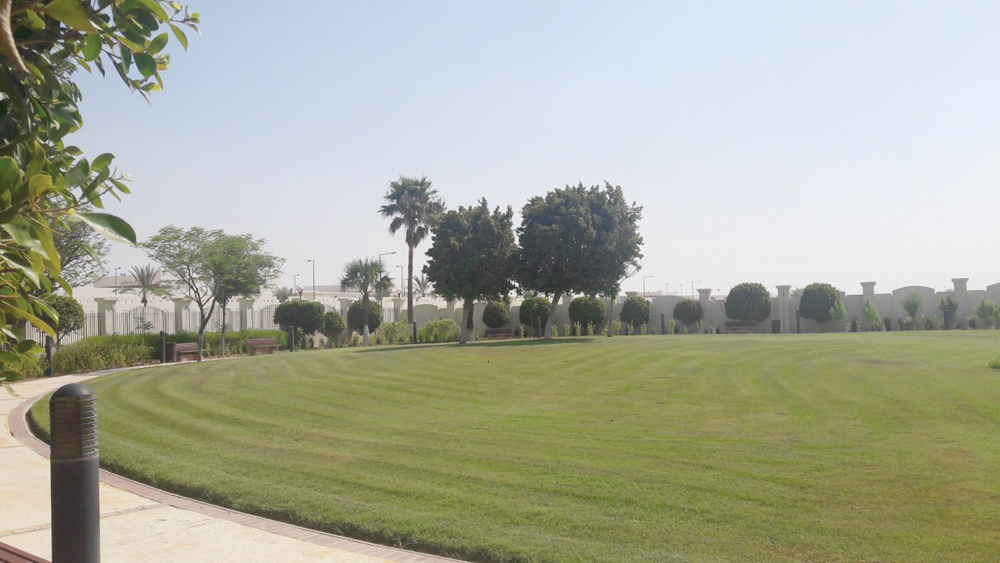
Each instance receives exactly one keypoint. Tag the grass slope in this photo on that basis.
(834, 447)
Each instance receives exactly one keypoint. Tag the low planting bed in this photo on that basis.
(834, 447)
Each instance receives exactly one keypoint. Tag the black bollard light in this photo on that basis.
(76, 514)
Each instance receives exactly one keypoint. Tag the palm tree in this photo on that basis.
(147, 283)
(366, 276)
(423, 285)
(413, 206)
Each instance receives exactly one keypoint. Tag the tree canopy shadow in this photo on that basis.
(482, 344)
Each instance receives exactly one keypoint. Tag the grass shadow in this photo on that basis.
(480, 344)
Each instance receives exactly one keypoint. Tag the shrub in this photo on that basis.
(534, 312)
(394, 333)
(888, 324)
(948, 307)
(931, 323)
(856, 325)
(873, 317)
(971, 322)
(306, 316)
(103, 352)
(672, 327)
(438, 330)
(333, 324)
(748, 302)
(817, 300)
(838, 313)
(635, 312)
(495, 315)
(987, 311)
(566, 331)
(355, 316)
(28, 366)
(912, 304)
(907, 324)
(688, 311)
(587, 311)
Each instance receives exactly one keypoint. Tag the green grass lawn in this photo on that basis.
(834, 447)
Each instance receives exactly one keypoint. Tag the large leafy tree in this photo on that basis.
(472, 257)
(367, 276)
(580, 240)
(413, 206)
(44, 182)
(82, 252)
(212, 267)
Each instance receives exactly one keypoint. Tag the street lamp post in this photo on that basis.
(116, 278)
(692, 287)
(644, 285)
(314, 278)
(385, 254)
(295, 285)
(400, 278)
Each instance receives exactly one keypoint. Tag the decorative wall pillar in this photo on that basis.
(785, 313)
(397, 309)
(705, 298)
(246, 313)
(868, 291)
(962, 300)
(182, 314)
(106, 321)
(345, 305)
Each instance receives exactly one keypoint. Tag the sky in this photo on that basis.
(772, 142)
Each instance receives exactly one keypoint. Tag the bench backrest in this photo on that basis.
(186, 347)
(262, 342)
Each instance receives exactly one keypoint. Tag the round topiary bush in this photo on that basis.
(748, 302)
(688, 311)
(333, 324)
(355, 317)
(495, 315)
(817, 301)
(534, 312)
(635, 311)
(306, 316)
(587, 311)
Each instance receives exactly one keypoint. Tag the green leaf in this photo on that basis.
(9, 357)
(156, 9)
(146, 64)
(71, 13)
(34, 21)
(102, 161)
(110, 226)
(157, 44)
(8, 172)
(22, 236)
(39, 185)
(26, 346)
(24, 266)
(180, 36)
(92, 47)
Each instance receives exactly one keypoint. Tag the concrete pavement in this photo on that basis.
(140, 524)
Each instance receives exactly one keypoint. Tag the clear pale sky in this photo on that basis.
(778, 142)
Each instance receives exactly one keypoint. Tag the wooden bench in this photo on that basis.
(257, 346)
(741, 327)
(10, 554)
(499, 333)
(178, 350)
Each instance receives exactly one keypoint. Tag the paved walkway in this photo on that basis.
(140, 524)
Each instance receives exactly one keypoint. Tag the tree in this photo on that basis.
(423, 285)
(534, 312)
(578, 239)
(948, 306)
(44, 184)
(797, 292)
(413, 206)
(472, 257)
(912, 304)
(306, 317)
(817, 300)
(82, 252)
(635, 311)
(587, 311)
(211, 267)
(986, 311)
(69, 316)
(495, 314)
(688, 311)
(147, 283)
(748, 302)
(366, 276)
(333, 324)
(356, 318)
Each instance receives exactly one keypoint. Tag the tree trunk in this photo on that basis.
(223, 331)
(409, 298)
(611, 315)
(469, 325)
(364, 315)
(552, 315)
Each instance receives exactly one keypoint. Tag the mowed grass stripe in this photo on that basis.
(699, 448)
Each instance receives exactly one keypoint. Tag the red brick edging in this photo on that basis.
(17, 420)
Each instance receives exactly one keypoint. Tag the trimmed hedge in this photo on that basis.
(748, 302)
(588, 312)
(635, 312)
(688, 311)
(495, 315)
(817, 300)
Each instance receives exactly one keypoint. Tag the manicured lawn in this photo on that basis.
(834, 447)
